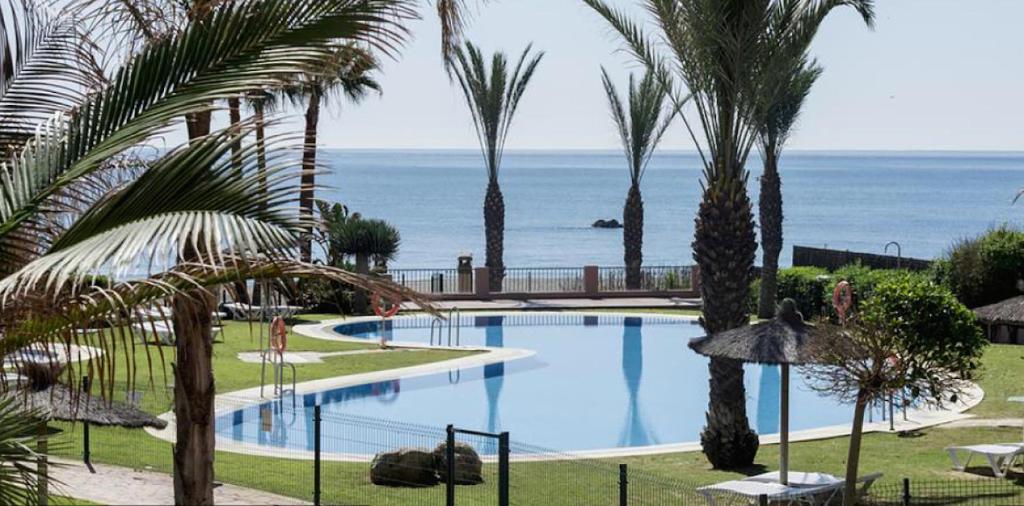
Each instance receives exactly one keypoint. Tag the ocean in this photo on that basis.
(845, 200)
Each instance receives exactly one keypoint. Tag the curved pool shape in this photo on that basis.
(595, 382)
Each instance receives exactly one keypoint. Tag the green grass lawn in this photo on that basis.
(919, 457)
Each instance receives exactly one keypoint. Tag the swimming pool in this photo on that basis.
(596, 382)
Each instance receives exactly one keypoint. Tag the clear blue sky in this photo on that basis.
(933, 75)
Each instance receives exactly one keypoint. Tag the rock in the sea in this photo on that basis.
(612, 223)
(468, 466)
(407, 467)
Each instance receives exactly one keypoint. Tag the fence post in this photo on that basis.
(449, 455)
(591, 280)
(623, 486)
(762, 500)
(316, 454)
(482, 282)
(86, 452)
(503, 457)
(906, 491)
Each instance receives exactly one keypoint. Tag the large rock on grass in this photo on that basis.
(407, 467)
(468, 466)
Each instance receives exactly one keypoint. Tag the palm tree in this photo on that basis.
(347, 73)
(364, 240)
(779, 119)
(732, 56)
(493, 95)
(640, 129)
(186, 220)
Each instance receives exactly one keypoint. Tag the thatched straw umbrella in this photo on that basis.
(44, 397)
(784, 340)
(1009, 313)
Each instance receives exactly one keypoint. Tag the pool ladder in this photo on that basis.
(454, 324)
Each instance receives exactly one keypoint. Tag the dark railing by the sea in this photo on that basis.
(550, 282)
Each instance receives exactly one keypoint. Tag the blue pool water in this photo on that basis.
(595, 382)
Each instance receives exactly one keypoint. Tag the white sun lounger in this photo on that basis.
(164, 333)
(1000, 456)
(752, 490)
(813, 489)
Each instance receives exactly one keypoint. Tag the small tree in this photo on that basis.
(912, 336)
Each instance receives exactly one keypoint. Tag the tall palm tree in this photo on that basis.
(779, 118)
(183, 224)
(732, 56)
(346, 74)
(493, 95)
(640, 129)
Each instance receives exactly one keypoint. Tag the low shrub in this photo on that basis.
(984, 269)
(805, 285)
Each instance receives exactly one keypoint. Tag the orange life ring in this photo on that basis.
(278, 335)
(842, 299)
(380, 311)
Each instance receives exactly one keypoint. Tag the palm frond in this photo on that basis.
(19, 435)
(191, 195)
(45, 319)
(46, 67)
(240, 46)
(645, 123)
(493, 95)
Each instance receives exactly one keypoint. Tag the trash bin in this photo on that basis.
(465, 273)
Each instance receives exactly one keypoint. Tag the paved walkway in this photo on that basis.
(576, 303)
(122, 486)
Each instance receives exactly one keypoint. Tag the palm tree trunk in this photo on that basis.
(261, 175)
(770, 215)
(306, 193)
(633, 237)
(235, 118)
(193, 378)
(724, 247)
(362, 267)
(193, 400)
(494, 226)
(853, 457)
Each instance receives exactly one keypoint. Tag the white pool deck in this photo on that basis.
(917, 418)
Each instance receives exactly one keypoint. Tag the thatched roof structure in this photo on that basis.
(43, 393)
(785, 339)
(1007, 312)
(58, 402)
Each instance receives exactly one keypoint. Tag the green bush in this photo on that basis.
(984, 269)
(865, 282)
(804, 285)
(928, 321)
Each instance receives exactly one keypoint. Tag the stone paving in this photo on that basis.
(123, 486)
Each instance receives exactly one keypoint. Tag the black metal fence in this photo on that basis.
(435, 281)
(340, 459)
(659, 278)
(543, 280)
(552, 280)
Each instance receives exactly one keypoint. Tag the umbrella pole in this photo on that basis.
(784, 427)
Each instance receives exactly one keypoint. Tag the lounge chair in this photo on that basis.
(162, 332)
(1000, 456)
(814, 489)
